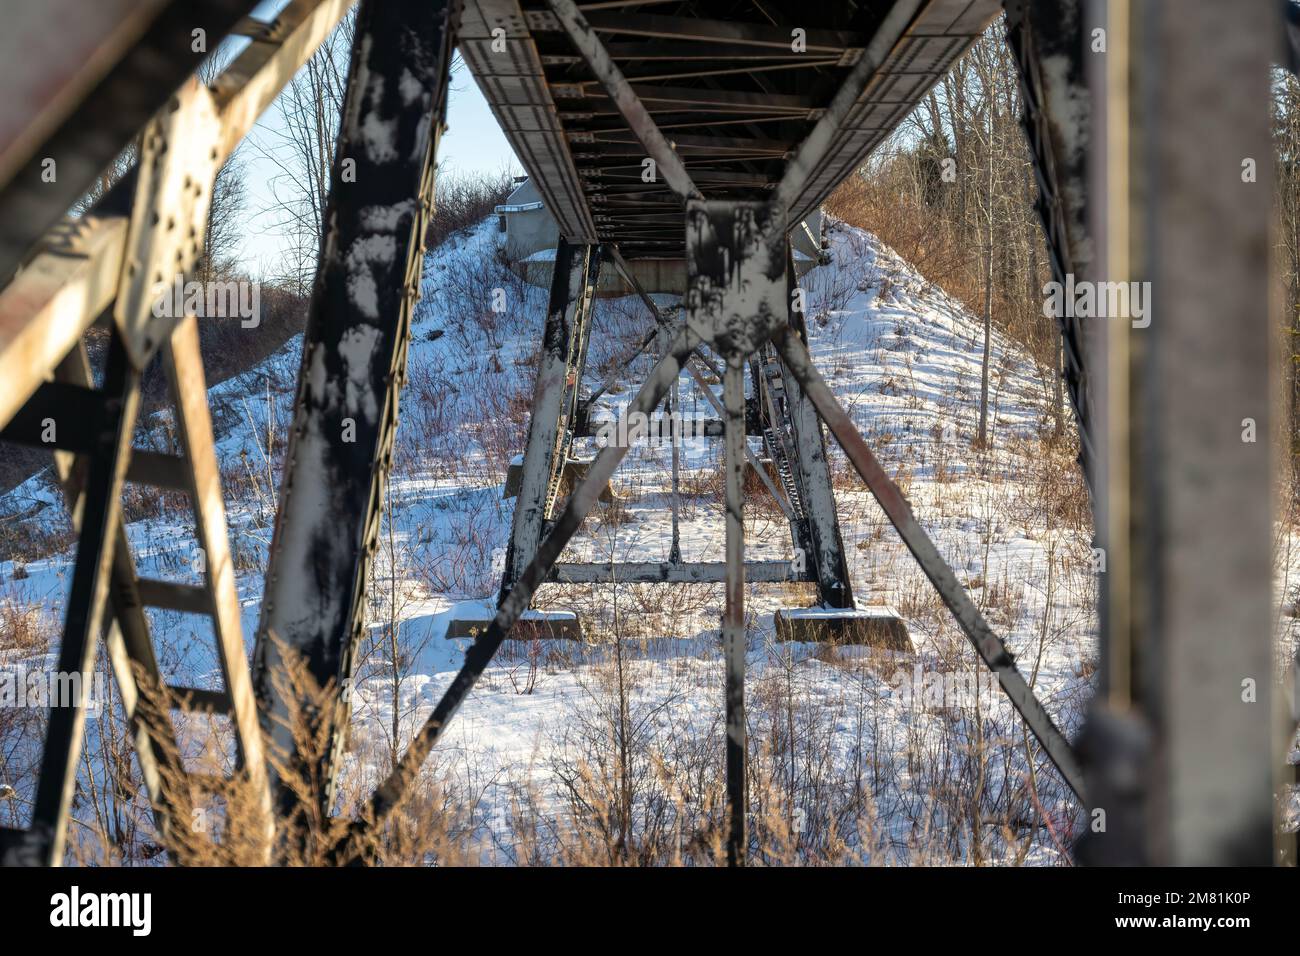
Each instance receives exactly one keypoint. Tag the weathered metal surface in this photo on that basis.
(1187, 744)
(255, 78)
(98, 519)
(509, 71)
(184, 366)
(669, 572)
(170, 215)
(736, 273)
(734, 640)
(826, 544)
(48, 307)
(531, 627)
(1047, 41)
(354, 356)
(88, 264)
(554, 404)
(627, 100)
(127, 639)
(611, 89)
(80, 80)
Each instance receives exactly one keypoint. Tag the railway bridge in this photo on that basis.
(687, 135)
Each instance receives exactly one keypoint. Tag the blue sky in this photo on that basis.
(473, 141)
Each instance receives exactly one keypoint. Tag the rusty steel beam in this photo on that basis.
(987, 644)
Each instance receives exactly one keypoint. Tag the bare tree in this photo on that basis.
(300, 144)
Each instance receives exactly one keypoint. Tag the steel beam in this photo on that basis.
(1046, 40)
(625, 98)
(354, 362)
(669, 572)
(1186, 743)
(555, 405)
(98, 519)
(827, 557)
(80, 269)
(734, 641)
(734, 33)
(80, 81)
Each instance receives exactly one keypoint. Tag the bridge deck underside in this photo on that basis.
(735, 85)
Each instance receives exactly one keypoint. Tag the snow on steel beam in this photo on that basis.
(354, 360)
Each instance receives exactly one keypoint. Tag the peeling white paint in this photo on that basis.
(357, 350)
(386, 218)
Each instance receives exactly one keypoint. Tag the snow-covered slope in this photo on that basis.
(898, 746)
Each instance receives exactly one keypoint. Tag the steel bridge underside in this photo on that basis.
(735, 98)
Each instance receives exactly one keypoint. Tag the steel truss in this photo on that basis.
(740, 279)
(737, 301)
(561, 413)
(107, 266)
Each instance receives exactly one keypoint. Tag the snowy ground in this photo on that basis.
(903, 357)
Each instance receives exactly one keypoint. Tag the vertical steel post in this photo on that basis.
(733, 623)
(674, 412)
(555, 399)
(827, 558)
(1184, 744)
(101, 512)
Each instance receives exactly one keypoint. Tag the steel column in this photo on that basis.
(100, 515)
(827, 557)
(389, 795)
(353, 362)
(555, 400)
(734, 642)
(1186, 743)
(1059, 134)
